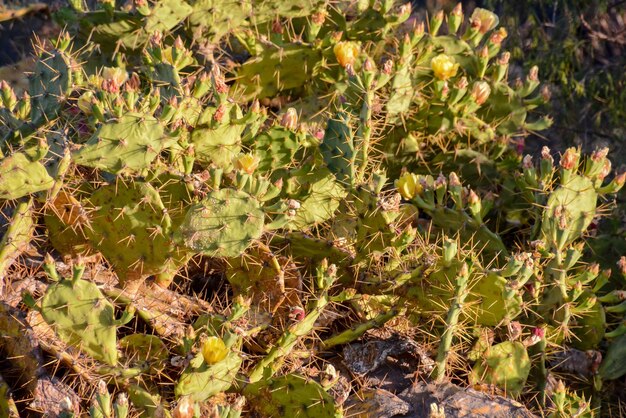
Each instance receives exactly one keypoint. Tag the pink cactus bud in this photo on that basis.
(569, 160)
(297, 313)
(594, 269)
(606, 169)
(110, 86)
(156, 38)
(498, 36)
(545, 154)
(600, 154)
(318, 18)
(277, 26)
(454, 180)
(441, 181)
(290, 119)
(546, 93)
(527, 162)
(621, 264)
(405, 9)
(481, 92)
(620, 179)
(504, 58)
(388, 67)
(278, 183)
(419, 29)
(539, 332)
(445, 90)
(220, 112)
(133, 84)
(368, 65)
(462, 83)
(533, 75)
(458, 10)
(473, 198)
(218, 80)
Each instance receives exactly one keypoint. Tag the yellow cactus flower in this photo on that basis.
(85, 101)
(214, 350)
(346, 53)
(247, 163)
(408, 185)
(118, 75)
(444, 66)
(487, 19)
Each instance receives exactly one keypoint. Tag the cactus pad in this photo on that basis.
(506, 365)
(290, 396)
(19, 177)
(200, 380)
(223, 224)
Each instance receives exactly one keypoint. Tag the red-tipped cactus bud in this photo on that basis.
(461, 84)
(290, 119)
(346, 53)
(297, 313)
(277, 26)
(318, 18)
(527, 162)
(546, 93)
(481, 92)
(569, 160)
(369, 66)
(350, 70)
(484, 20)
(435, 22)
(444, 66)
(155, 39)
(441, 181)
(605, 170)
(536, 336)
(472, 198)
(504, 58)
(134, 83)
(405, 9)
(533, 75)
(600, 154)
(178, 43)
(545, 154)
(388, 67)
(454, 180)
(255, 107)
(219, 82)
(621, 265)
(220, 112)
(498, 36)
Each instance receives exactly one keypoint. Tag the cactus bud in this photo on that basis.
(455, 19)
(346, 53)
(480, 92)
(293, 204)
(405, 10)
(115, 74)
(256, 106)
(387, 67)
(546, 93)
(318, 18)
(369, 66)
(297, 313)
(214, 350)
(133, 83)
(454, 180)
(408, 185)
(484, 20)
(247, 163)
(621, 265)
(418, 33)
(533, 75)
(504, 58)
(435, 22)
(498, 36)
(220, 112)
(290, 119)
(219, 82)
(569, 160)
(444, 66)
(85, 101)
(184, 408)
(462, 83)
(536, 336)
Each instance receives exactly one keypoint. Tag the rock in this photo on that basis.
(379, 403)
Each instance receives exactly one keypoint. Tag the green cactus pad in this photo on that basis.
(200, 380)
(493, 306)
(577, 199)
(589, 325)
(216, 18)
(223, 224)
(290, 396)
(218, 144)
(337, 148)
(165, 15)
(506, 365)
(48, 86)
(275, 148)
(276, 70)
(18, 235)
(614, 363)
(19, 177)
(82, 317)
(129, 144)
(130, 226)
(149, 404)
(320, 196)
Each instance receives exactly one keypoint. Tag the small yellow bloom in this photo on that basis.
(346, 53)
(214, 350)
(487, 19)
(118, 75)
(444, 66)
(247, 163)
(85, 101)
(408, 185)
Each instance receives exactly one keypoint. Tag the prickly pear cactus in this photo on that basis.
(223, 224)
(82, 317)
(290, 396)
(506, 365)
(19, 176)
